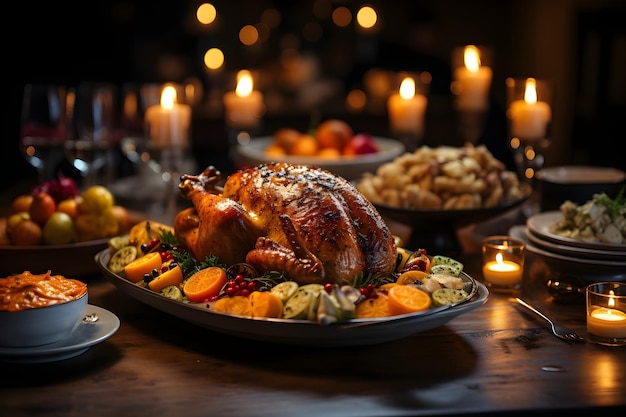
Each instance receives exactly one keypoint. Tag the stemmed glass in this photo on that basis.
(43, 128)
(92, 111)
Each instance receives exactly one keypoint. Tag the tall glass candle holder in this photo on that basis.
(606, 313)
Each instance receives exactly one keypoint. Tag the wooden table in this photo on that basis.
(498, 359)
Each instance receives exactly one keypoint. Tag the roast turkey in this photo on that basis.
(303, 221)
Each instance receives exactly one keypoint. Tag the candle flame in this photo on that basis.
(611, 299)
(471, 58)
(244, 83)
(499, 259)
(530, 93)
(168, 97)
(407, 88)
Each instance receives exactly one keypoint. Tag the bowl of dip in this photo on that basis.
(39, 309)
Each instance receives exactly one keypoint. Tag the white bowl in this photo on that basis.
(42, 325)
(349, 167)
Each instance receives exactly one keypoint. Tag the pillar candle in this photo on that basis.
(473, 82)
(529, 117)
(244, 106)
(167, 124)
(406, 109)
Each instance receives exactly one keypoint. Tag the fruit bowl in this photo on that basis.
(71, 260)
(349, 167)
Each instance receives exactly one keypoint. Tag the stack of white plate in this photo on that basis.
(591, 261)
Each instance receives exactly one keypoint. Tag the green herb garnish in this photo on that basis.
(615, 207)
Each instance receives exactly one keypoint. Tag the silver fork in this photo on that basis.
(559, 331)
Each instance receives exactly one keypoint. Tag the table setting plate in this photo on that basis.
(86, 335)
(589, 270)
(355, 332)
(349, 167)
(575, 251)
(541, 223)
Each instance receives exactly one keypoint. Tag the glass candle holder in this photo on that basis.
(503, 263)
(606, 313)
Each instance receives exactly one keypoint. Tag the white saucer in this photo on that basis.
(86, 335)
(593, 254)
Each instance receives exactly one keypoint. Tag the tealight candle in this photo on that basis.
(244, 106)
(606, 313)
(529, 116)
(472, 81)
(503, 263)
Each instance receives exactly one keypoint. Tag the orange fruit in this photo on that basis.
(265, 304)
(172, 276)
(275, 150)
(21, 203)
(286, 138)
(403, 299)
(237, 304)
(143, 265)
(205, 284)
(68, 206)
(306, 145)
(334, 133)
(42, 207)
(123, 219)
(373, 307)
(409, 277)
(329, 153)
(26, 233)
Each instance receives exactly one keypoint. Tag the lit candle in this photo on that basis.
(244, 107)
(167, 124)
(502, 272)
(473, 81)
(406, 109)
(529, 117)
(607, 322)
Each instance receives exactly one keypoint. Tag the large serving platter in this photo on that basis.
(349, 167)
(541, 224)
(355, 332)
(589, 270)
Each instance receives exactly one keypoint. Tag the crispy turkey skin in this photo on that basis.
(301, 220)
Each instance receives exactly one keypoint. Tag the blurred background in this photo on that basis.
(309, 56)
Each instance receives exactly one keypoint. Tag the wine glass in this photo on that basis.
(89, 148)
(43, 128)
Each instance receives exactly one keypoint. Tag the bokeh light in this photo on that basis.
(214, 58)
(366, 17)
(206, 13)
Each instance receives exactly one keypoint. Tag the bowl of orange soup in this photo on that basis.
(39, 309)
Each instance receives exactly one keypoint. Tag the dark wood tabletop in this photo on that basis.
(498, 360)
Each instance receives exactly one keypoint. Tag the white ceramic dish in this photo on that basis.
(82, 338)
(541, 223)
(300, 332)
(593, 254)
(42, 325)
(348, 167)
(589, 270)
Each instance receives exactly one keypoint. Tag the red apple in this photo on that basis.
(361, 144)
